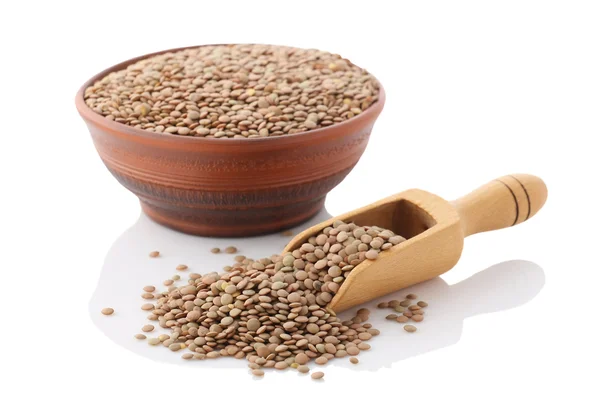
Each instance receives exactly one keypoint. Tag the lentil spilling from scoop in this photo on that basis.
(274, 311)
(234, 91)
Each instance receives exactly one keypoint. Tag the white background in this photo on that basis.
(475, 90)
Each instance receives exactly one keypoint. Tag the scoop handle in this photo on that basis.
(503, 202)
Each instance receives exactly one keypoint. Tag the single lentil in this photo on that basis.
(231, 250)
(317, 375)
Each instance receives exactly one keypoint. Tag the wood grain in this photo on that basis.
(503, 202)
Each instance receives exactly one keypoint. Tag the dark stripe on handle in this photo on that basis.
(514, 198)
(526, 194)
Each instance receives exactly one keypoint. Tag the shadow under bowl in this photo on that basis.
(228, 187)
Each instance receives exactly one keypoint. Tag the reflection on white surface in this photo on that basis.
(127, 268)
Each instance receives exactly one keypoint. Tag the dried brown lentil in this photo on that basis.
(231, 250)
(272, 311)
(235, 91)
(317, 375)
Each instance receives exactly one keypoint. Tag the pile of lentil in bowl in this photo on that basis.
(234, 91)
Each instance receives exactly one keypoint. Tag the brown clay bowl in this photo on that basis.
(228, 187)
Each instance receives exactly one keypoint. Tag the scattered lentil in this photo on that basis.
(317, 375)
(410, 328)
(181, 267)
(107, 311)
(231, 250)
(140, 336)
(354, 360)
(393, 303)
(215, 250)
(154, 254)
(272, 311)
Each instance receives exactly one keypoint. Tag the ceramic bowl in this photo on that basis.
(228, 187)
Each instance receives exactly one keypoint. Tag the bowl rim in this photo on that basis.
(91, 116)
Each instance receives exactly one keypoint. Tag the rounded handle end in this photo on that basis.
(535, 192)
(504, 202)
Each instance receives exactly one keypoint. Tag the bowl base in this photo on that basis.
(232, 223)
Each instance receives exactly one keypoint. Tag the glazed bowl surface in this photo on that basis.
(228, 187)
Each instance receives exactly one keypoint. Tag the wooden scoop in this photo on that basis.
(435, 229)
